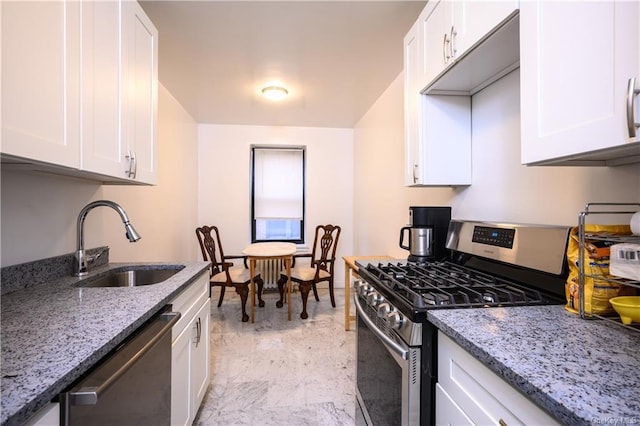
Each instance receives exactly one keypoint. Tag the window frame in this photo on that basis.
(303, 149)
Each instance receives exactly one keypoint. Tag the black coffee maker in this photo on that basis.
(427, 231)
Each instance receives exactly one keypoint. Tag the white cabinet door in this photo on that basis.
(190, 351)
(199, 371)
(412, 110)
(472, 20)
(448, 413)
(103, 149)
(40, 81)
(435, 25)
(180, 374)
(142, 93)
(576, 62)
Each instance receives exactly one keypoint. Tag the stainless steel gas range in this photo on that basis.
(490, 265)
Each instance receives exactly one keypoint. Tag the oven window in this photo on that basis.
(379, 379)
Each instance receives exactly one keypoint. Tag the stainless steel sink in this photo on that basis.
(132, 277)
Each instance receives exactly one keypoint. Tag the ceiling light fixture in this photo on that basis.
(275, 93)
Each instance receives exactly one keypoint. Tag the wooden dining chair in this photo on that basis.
(320, 268)
(222, 273)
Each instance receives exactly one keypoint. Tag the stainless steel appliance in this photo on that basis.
(490, 265)
(427, 232)
(130, 386)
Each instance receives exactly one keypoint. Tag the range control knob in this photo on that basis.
(374, 298)
(395, 319)
(384, 309)
(362, 288)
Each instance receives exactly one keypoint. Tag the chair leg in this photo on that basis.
(333, 299)
(243, 291)
(315, 292)
(260, 283)
(304, 293)
(222, 289)
(281, 282)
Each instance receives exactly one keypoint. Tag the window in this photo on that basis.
(277, 193)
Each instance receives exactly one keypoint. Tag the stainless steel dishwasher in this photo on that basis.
(131, 385)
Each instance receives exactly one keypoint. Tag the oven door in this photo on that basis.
(387, 374)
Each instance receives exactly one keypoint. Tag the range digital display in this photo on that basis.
(500, 237)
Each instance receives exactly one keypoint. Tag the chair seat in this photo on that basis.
(237, 274)
(305, 273)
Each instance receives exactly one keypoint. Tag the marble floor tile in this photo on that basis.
(279, 372)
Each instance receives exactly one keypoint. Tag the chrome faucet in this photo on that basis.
(80, 262)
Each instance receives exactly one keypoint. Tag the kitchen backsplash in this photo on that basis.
(24, 275)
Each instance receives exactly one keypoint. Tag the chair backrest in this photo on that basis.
(325, 245)
(211, 247)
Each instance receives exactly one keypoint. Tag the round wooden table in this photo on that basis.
(271, 250)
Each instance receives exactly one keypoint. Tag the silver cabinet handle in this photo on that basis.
(445, 57)
(198, 327)
(631, 113)
(133, 165)
(452, 46)
(415, 178)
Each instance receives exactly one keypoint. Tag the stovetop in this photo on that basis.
(491, 265)
(446, 285)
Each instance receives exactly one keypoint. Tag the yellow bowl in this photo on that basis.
(628, 307)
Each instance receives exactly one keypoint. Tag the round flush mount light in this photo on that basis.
(275, 92)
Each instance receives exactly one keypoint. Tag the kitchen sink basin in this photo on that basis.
(132, 277)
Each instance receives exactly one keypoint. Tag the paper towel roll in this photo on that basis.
(635, 223)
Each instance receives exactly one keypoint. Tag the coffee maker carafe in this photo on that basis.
(427, 230)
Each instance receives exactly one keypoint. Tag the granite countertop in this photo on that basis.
(54, 332)
(580, 371)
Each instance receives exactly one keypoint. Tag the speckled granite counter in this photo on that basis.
(582, 372)
(52, 333)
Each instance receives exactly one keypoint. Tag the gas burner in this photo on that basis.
(439, 285)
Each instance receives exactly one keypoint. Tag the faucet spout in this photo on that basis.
(80, 263)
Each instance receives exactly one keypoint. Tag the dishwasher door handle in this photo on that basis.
(89, 395)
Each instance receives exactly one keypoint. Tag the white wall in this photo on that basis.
(502, 189)
(164, 215)
(39, 211)
(224, 196)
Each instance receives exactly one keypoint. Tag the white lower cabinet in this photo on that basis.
(469, 393)
(190, 352)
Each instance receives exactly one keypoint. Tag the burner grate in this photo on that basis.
(448, 285)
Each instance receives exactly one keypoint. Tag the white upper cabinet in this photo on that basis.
(40, 81)
(80, 89)
(142, 94)
(577, 59)
(437, 128)
(438, 119)
(451, 29)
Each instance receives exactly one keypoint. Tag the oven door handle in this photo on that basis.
(400, 349)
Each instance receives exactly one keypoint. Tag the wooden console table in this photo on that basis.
(350, 268)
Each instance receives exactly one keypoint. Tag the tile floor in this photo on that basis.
(276, 372)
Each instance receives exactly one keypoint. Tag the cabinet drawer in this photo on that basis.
(189, 301)
(481, 394)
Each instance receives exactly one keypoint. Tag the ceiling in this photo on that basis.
(335, 57)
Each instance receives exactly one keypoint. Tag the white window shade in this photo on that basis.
(278, 181)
